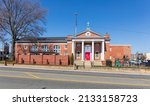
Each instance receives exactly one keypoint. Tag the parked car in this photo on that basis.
(135, 62)
(147, 63)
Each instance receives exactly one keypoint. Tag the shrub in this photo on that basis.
(72, 59)
(109, 63)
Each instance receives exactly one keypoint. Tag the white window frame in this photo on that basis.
(45, 48)
(110, 49)
(78, 54)
(56, 49)
(25, 47)
(88, 34)
(96, 55)
(34, 48)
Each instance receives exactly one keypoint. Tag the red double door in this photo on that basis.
(87, 56)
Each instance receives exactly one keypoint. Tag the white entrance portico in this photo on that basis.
(88, 48)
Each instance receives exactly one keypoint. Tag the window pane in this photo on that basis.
(96, 54)
(56, 48)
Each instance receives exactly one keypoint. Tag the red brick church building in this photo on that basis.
(85, 46)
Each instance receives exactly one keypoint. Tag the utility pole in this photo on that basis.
(76, 23)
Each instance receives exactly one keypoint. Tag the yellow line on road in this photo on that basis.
(96, 82)
(77, 81)
(30, 74)
(84, 76)
(89, 76)
(9, 76)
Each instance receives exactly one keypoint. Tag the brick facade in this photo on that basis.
(89, 38)
(118, 51)
(42, 59)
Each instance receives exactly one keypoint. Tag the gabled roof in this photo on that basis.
(89, 31)
(93, 34)
(43, 40)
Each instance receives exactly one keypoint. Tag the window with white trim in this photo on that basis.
(78, 54)
(96, 55)
(56, 49)
(110, 49)
(45, 48)
(88, 34)
(34, 48)
(25, 46)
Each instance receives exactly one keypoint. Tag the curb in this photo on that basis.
(69, 68)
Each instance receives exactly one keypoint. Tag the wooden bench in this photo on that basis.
(78, 64)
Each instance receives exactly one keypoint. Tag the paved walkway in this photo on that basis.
(96, 69)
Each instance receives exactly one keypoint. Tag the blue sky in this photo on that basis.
(127, 21)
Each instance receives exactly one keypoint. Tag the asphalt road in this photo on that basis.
(23, 78)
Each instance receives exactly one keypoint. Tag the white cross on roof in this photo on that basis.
(88, 26)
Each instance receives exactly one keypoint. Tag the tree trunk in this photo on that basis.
(13, 50)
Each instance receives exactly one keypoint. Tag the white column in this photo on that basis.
(103, 51)
(73, 50)
(82, 50)
(92, 50)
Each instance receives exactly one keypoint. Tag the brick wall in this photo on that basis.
(42, 59)
(61, 60)
(49, 59)
(107, 50)
(24, 59)
(117, 52)
(36, 59)
(69, 48)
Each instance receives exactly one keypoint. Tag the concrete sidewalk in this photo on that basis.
(136, 71)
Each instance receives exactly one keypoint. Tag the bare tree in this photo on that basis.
(21, 18)
(1, 36)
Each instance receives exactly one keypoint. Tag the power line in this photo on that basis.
(126, 30)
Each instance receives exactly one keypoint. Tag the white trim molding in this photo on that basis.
(87, 40)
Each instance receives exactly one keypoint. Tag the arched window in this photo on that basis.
(56, 49)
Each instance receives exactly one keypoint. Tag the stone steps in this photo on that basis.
(87, 64)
